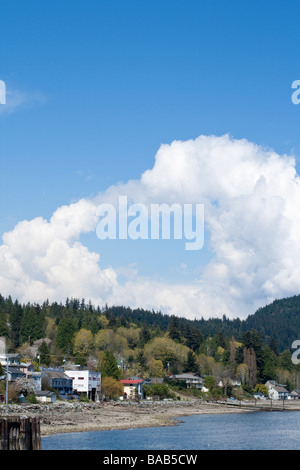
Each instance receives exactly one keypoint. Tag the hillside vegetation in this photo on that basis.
(150, 344)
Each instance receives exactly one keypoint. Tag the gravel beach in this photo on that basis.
(64, 417)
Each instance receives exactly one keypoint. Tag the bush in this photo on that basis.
(158, 390)
(84, 398)
(31, 398)
(111, 388)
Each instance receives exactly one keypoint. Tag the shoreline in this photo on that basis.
(67, 417)
(114, 417)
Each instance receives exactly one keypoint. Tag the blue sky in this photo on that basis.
(94, 88)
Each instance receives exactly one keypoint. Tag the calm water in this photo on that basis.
(253, 431)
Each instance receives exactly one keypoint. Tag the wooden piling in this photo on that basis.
(19, 433)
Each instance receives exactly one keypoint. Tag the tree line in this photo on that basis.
(149, 344)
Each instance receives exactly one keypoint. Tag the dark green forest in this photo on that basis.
(278, 322)
(150, 343)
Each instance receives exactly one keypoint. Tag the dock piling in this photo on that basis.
(19, 433)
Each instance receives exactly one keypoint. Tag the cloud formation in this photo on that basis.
(251, 197)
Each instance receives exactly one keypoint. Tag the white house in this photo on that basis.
(45, 397)
(87, 382)
(13, 359)
(277, 391)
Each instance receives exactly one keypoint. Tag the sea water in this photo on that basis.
(241, 431)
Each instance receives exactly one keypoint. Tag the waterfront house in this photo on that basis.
(58, 380)
(277, 391)
(85, 382)
(14, 373)
(259, 396)
(295, 394)
(191, 380)
(44, 396)
(132, 388)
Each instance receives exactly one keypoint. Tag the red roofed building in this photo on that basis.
(132, 388)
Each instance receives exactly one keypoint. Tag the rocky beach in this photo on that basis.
(63, 417)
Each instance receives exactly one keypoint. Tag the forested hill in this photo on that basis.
(278, 322)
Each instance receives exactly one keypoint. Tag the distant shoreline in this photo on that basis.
(67, 417)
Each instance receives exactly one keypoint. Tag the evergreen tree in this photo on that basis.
(174, 330)
(145, 335)
(65, 335)
(191, 364)
(27, 326)
(15, 319)
(44, 353)
(110, 366)
(193, 337)
(4, 329)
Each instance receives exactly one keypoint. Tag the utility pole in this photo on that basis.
(6, 398)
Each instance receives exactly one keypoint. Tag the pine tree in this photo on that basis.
(65, 335)
(191, 365)
(44, 353)
(110, 366)
(145, 335)
(15, 318)
(174, 330)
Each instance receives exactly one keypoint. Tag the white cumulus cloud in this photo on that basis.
(251, 197)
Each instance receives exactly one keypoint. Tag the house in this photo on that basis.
(87, 382)
(235, 382)
(154, 380)
(58, 380)
(14, 373)
(295, 394)
(30, 373)
(36, 378)
(13, 359)
(45, 397)
(191, 380)
(132, 388)
(26, 367)
(259, 396)
(277, 391)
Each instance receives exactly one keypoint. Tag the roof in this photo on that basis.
(154, 380)
(55, 374)
(280, 388)
(274, 383)
(186, 376)
(15, 370)
(44, 393)
(131, 382)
